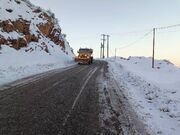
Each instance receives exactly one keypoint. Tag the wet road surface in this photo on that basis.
(63, 102)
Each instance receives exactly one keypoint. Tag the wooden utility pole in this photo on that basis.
(107, 46)
(101, 50)
(154, 32)
(103, 44)
(115, 52)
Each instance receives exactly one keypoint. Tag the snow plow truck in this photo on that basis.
(84, 56)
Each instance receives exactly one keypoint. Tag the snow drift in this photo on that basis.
(153, 93)
(31, 41)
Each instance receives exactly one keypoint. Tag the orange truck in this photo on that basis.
(84, 56)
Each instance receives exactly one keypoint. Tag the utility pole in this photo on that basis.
(154, 32)
(103, 44)
(115, 52)
(101, 50)
(108, 46)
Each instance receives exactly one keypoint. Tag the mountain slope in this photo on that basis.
(31, 41)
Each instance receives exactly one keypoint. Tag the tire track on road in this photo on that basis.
(89, 75)
(41, 107)
(9, 92)
(61, 81)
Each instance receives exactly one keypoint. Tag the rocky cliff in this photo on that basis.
(23, 25)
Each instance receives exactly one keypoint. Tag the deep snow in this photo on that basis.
(18, 64)
(153, 93)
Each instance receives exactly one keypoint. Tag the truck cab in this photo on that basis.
(85, 56)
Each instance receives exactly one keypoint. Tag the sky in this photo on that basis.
(126, 21)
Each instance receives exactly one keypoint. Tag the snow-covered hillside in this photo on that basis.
(31, 41)
(153, 93)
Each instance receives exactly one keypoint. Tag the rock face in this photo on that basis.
(24, 25)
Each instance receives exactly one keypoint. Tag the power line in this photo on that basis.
(125, 33)
(154, 40)
(167, 27)
(130, 44)
(130, 32)
(169, 31)
(139, 31)
(158, 28)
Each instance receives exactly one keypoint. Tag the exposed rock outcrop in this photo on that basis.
(18, 30)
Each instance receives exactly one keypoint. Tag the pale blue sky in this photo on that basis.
(85, 20)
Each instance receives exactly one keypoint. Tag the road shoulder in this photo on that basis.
(117, 116)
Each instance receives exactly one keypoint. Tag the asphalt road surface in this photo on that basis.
(63, 102)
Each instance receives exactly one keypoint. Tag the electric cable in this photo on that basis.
(133, 43)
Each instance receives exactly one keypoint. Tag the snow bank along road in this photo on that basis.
(80, 100)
